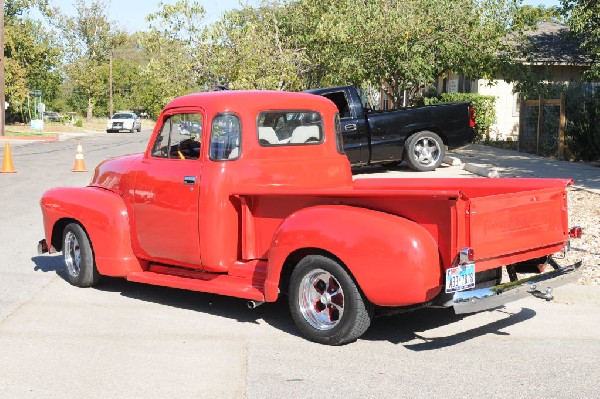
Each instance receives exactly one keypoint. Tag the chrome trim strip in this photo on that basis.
(540, 286)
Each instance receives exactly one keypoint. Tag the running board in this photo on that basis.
(214, 283)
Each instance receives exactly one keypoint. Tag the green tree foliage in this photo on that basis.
(529, 16)
(247, 50)
(90, 37)
(584, 21)
(31, 56)
(402, 45)
(175, 48)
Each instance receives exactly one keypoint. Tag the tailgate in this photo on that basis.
(510, 227)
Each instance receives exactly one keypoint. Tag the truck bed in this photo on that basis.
(504, 220)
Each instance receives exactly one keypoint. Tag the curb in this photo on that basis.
(481, 170)
(49, 139)
(452, 161)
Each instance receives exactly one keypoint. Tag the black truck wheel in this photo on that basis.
(424, 151)
(79, 257)
(325, 302)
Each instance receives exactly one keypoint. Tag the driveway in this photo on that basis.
(510, 163)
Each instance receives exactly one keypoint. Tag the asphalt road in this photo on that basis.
(128, 340)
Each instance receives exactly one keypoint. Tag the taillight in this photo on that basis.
(575, 232)
(471, 116)
(467, 255)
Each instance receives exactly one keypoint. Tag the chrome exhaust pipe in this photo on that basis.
(254, 304)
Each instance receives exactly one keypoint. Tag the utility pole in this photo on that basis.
(110, 84)
(2, 83)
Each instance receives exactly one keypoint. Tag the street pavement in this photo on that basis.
(128, 340)
(510, 163)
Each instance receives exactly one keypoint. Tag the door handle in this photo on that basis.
(350, 127)
(189, 180)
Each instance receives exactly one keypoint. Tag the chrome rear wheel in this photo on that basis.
(321, 299)
(325, 302)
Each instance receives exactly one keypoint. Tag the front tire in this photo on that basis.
(79, 257)
(325, 303)
(424, 151)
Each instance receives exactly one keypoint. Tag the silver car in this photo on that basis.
(124, 120)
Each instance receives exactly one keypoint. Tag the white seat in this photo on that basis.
(267, 134)
(303, 134)
(234, 153)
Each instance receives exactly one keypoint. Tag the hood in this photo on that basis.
(114, 174)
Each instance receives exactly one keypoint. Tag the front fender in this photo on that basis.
(394, 261)
(104, 216)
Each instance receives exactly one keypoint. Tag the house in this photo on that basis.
(549, 52)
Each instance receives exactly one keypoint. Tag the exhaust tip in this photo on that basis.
(254, 304)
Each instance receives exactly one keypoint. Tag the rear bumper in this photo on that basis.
(540, 286)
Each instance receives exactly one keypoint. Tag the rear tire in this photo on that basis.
(424, 151)
(79, 257)
(325, 303)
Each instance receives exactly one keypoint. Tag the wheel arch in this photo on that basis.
(397, 265)
(296, 256)
(58, 231)
(103, 216)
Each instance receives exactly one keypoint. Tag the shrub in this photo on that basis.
(485, 111)
(79, 123)
(583, 123)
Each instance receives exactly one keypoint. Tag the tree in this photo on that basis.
(402, 45)
(31, 55)
(248, 50)
(90, 38)
(584, 21)
(174, 47)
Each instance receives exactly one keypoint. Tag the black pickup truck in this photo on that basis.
(418, 135)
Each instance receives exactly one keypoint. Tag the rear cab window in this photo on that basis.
(281, 128)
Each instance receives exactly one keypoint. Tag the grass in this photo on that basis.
(31, 133)
(52, 128)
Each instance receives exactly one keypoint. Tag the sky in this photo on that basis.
(131, 14)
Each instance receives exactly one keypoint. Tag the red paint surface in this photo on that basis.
(234, 229)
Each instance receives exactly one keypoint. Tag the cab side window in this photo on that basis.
(179, 137)
(225, 137)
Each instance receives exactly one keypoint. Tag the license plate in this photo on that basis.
(460, 278)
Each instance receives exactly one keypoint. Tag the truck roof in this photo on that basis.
(253, 101)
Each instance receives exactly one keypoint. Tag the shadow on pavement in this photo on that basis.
(398, 329)
(50, 263)
(404, 328)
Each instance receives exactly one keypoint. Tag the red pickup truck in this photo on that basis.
(219, 203)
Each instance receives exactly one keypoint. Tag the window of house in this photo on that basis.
(289, 128)
(179, 137)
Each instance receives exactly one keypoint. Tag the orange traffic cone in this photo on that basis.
(79, 164)
(7, 164)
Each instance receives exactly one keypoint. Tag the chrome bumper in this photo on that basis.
(540, 286)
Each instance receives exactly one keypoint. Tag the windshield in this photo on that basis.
(123, 116)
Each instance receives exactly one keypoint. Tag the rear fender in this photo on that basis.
(394, 261)
(105, 219)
